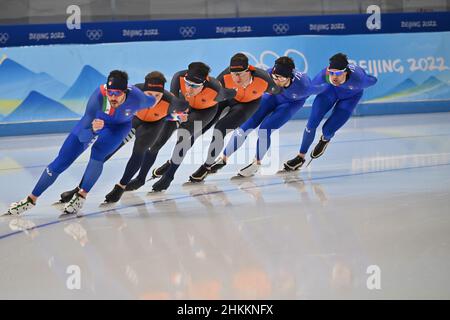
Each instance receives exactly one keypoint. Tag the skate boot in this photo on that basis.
(158, 172)
(250, 170)
(200, 174)
(163, 183)
(217, 165)
(67, 195)
(134, 184)
(115, 194)
(320, 148)
(75, 204)
(17, 208)
(294, 164)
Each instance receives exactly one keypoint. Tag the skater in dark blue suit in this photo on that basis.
(274, 111)
(107, 121)
(340, 87)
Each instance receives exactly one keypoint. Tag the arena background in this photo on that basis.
(50, 62)
(367, 220)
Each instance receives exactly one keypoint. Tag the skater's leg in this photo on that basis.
(274, 121)
(337, 119)
(198, 119)
(238, 114)
(146, 136)
(341, 113)
(321, 105)
(219, 111)
(150, 155)
(69, 152)
(190, 131)
(136, 122)
(108, 141)
(267, 105)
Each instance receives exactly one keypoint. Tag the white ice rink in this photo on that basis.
(374, 210)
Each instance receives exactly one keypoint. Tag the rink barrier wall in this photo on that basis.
(189, 29)
(363, 109)
(408, 52)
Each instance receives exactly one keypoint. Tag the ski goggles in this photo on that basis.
(336, 73)
(193, 84)
(239, 74)
(279, 78)
(114, 92)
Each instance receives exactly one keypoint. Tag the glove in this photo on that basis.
(180, 116)
(178, 105)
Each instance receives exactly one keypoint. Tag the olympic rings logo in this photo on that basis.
(4, 37)
(261, 62)
(95, 34)
(187, 32)
(280, 28)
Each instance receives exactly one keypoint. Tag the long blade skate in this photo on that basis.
(240, 177)
(284, 172)
(193, 183)
(65, 215)
(155, 192)
(106, 204)
(310, 160)
(17, 208)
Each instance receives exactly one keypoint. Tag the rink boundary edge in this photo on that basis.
(363, 109)
(181, 197)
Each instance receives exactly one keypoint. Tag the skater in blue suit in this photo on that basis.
(341, 86)
(105, 124)
(274, 111)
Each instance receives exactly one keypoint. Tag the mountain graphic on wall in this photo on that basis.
(403, 86)
(432, 89)
(444, 76)
(78, 94)
(39, 107)
(408, 90)
(87, 81)
(16, 81)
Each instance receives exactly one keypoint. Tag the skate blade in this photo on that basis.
(106, 204)
(309, 162)
(193, 183)
(241, 177)
(287, 172)
(65, 215)
(152, 192)
(58, 203)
